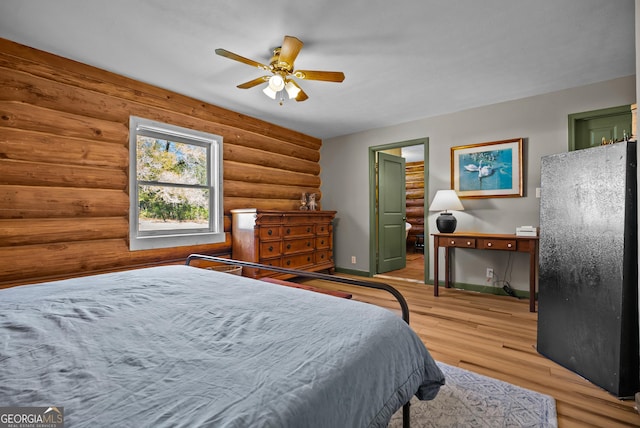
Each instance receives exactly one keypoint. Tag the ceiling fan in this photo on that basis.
(282, 71)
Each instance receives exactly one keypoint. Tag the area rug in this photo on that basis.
(472, 400)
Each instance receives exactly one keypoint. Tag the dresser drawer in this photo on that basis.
(297, 245)
(323, 242)
(498, 244)
(271, 262)
(269, 232)
(460, 242)
(297, 261)
(257, 273)
(323, 256)
(297, 230)
(270, 249)
(323, 228)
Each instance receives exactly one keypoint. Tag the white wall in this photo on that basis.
(541, 120)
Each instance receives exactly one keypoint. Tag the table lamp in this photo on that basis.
(443, 201)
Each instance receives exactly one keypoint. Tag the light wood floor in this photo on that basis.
(496, 336)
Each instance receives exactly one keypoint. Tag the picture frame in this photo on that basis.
(488, 170)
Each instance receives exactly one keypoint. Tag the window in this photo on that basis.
(175, 186)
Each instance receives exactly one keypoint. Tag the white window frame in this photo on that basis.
(212, 234)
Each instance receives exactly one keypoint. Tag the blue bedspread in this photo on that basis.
(178, 346)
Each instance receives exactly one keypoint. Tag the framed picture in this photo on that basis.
(487, 170)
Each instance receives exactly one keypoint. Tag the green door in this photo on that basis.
(591, 127)
(392, 249)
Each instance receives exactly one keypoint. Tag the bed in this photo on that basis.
(181, 346)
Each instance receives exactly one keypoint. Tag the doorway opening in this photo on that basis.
(415, 154)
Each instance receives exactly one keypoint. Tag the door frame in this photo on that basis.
(574, 118)
(373, 214)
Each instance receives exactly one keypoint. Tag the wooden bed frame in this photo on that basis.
(406, 411)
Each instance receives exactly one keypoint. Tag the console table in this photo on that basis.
(486, 241)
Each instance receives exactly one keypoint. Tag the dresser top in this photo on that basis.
(279, 212)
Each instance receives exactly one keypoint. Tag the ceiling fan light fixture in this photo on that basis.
(292, 90)
(276, 83)
(270, 92)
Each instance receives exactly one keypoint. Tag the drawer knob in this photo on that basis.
(322, 242)
(308, 229)
(509, 245)
(270, 232)
(489, 244)
(322, 256)
(453, 242)
(308, 244)
(288, 231)
(288, 246)
(288, 262)
(468, 243)
(271, 248)
(308, 259)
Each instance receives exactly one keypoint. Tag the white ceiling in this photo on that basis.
(403, 59)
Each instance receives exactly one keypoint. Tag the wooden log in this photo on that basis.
(259, 157)
(14, 232)
(52, 202)
(25, 116)
(415, 202)
(46, 174)
(260, 174)
(417, 211)
(415, 193)
(88, 257)
(419, 164)
(19, 144)
(270, 144)
(417, 220)
(231, 203)
(265, 191)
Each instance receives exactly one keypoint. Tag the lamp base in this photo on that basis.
(446, 223)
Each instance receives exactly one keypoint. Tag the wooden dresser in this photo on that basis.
(291, 239)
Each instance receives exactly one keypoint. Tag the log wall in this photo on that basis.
(415, 200)
(64, 201)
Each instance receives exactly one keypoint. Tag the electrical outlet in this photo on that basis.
(489, 274)
(353, 260)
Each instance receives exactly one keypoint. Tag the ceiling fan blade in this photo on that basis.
(254, 82)
(289, 51)
(225, 53)
(302, 96)
(326, 76)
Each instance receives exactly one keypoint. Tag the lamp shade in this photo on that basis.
(446, 200)
(443, 201)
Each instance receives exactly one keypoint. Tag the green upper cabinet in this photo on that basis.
(587, 129)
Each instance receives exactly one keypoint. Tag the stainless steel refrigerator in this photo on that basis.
(588, 282)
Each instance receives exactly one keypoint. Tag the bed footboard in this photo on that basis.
(305, 274)
(332, 278)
